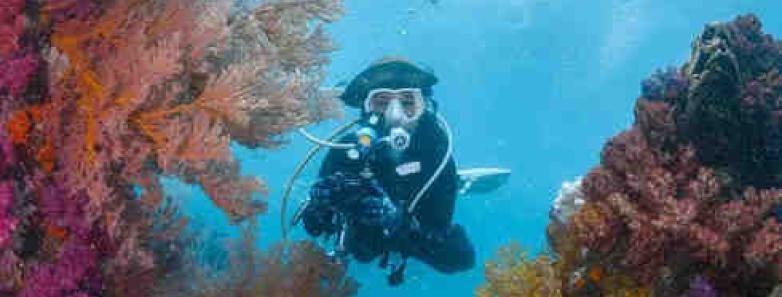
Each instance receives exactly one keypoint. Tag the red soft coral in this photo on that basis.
(765, 246)
(669, 205)
(691, 183)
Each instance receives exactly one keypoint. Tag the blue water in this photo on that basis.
(536, 86)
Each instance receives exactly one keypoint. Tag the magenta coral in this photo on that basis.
(75, 263)
(9, 274)
(63, 10)
(64, 210)
(7, 222)
(18, 66)
(10, 8)
(11, 25)
(17, 74)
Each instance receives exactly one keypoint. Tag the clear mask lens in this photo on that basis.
(410, 101)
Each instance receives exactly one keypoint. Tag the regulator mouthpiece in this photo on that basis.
(399, 138)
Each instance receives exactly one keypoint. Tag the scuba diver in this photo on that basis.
(389, 191)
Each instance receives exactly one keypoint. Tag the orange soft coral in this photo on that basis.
(18, 126)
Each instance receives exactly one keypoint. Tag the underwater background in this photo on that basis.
(536, 86)
(539, 87)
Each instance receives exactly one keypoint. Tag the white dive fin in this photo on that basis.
(481, 180)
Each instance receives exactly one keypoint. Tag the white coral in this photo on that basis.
(569, 199)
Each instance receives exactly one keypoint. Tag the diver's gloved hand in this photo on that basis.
(319, 221)
(380, 212)
(319, 216)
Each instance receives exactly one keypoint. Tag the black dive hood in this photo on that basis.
(391, 73)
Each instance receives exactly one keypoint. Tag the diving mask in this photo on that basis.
(398, 106)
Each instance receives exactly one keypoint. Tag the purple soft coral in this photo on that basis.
(73, 9)
(76, 262)
(700, 287)
(65, 211)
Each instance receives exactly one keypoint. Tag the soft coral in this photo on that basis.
(75, 263)
(7, 222)
(11, 25)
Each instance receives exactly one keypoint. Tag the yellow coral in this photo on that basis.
(619, 285)
(512, 274)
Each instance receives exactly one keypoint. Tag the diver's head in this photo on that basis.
(393, 89)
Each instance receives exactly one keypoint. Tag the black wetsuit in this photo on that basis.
(428, 233)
